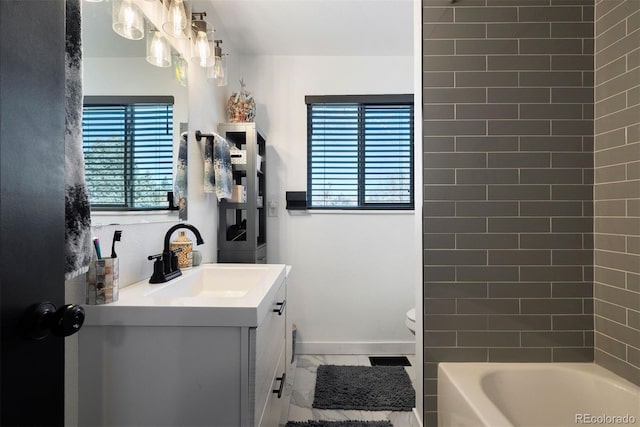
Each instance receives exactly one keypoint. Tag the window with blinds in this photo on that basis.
(360, 152)
(128, 151)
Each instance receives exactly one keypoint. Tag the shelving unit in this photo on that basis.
(242, 227)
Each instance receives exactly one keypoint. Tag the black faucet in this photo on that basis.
(165, 266)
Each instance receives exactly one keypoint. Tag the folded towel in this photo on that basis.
(180, 187)
(78, 244)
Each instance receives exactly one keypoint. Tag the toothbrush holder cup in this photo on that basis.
(102, 281)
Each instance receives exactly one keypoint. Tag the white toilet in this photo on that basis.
(411, 320)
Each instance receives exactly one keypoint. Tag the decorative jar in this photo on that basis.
(241, 106)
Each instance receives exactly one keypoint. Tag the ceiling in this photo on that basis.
(317, 27)
(279, 27)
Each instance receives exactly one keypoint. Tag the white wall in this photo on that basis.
(353, 276)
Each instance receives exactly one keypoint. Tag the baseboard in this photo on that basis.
(416, 417)
(359, 347)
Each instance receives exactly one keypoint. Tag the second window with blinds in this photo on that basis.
(360, 152)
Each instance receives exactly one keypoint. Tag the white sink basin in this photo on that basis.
(212, 281)
(208, 295)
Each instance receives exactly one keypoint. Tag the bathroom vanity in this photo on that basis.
(207, 348)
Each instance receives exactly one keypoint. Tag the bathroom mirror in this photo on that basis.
(114, 66)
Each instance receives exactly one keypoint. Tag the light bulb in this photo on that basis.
(175, 20)
(217, 68)
(202, 48)
(210, 73)
(127, 20)
(158, 51)
(221, 80)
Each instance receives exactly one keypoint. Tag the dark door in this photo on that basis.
(32, 36)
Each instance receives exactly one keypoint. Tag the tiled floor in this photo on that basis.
(304, 385)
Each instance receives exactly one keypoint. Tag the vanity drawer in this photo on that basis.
(275, 401)
(270, 340)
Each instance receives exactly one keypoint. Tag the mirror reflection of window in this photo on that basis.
(128, 150)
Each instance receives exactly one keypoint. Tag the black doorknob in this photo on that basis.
(45, 319)
(69, 320)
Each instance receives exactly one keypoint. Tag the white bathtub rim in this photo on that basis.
(472, 393)
(587, 367)
(467, 380)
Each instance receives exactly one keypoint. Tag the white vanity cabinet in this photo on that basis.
(175, 368)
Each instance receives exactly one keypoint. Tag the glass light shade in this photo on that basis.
(218, 71)
(176, 17)
(221, 79)
(127, 20)
(180, 70)
(158, 50)
(201, 52)
(211, 72)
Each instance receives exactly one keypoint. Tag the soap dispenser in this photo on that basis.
(185, 257)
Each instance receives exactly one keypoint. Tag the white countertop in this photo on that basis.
(208, 295)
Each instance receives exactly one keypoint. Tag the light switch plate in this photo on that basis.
(272, 208)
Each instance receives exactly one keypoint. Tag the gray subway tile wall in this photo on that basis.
(617, 188)
(508, 188)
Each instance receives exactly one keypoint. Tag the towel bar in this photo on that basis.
(200, 135)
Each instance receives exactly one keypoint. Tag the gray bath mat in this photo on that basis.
(312, 423)
(369, 388)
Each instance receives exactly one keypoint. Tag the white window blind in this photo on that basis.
(360, 154)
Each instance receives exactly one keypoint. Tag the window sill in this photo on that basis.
(353, 212)
(102, 218)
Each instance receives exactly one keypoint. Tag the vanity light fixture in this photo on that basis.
(158, 49)
(127, 20)
(175, 17)
(200, 47)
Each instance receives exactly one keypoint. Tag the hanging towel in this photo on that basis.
(180, 185)
(222, 167)
(218, 177)
(209, 174)
(78, 245)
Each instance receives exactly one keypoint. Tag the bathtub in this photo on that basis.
(534, 394)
